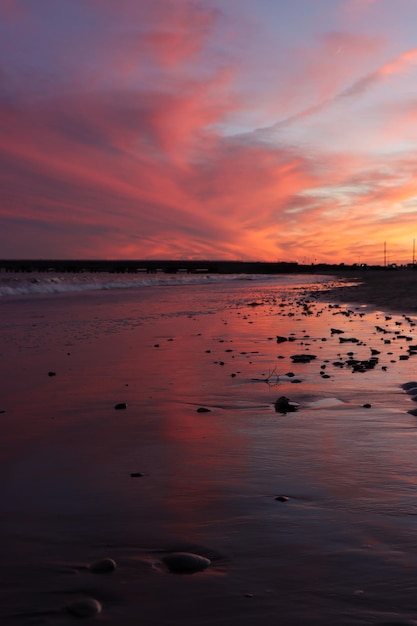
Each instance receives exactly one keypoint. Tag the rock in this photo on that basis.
(87, 607)
(283, 405)
(120, 406)
(202, 409)
(302, 358)
(281, 339)
(367, 406)
(51, 373)
(409, 385)
(103, 566)
(186, 562)
(282, 498)
(137, 475)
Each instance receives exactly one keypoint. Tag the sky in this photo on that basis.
(261, 130)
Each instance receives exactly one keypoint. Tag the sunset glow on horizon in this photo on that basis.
(209, 129)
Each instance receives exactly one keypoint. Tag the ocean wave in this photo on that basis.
(31, 284)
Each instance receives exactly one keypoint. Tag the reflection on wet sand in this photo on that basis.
(83, 482)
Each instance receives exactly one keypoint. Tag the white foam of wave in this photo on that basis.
(22, 284)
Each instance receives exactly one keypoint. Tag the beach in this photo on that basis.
(139, 423)
(383, 288)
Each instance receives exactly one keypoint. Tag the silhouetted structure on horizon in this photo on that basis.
(170, 266)
(150, 266)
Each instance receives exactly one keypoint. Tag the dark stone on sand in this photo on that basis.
(186, 562)
(409, 385)
(103, 566)
(281, 339)
(336, 331)
(367, 406)
(284, 405)
(137, 475)
(302, 358)
(120, 406)
(2, 411)
(282, 498)
(413, 412)
(348, 340)
(412, 391)
(88, 607)
(203, 409)
(51, 373)
(156, 345)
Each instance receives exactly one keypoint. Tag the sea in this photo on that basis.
(13, 284)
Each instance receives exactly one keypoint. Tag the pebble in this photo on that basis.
(302, 358)
(103, 566)
(202, 409)
(186, 562)
(283, 405)
(120, 406)
(85, 608)
(409, 385)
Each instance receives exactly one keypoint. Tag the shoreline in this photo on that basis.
(386, 289)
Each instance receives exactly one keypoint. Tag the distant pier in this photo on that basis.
(148, 266)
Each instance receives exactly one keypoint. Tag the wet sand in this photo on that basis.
(386, 289)
(306, 517)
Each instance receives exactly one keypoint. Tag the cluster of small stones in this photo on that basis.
(175, 562)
